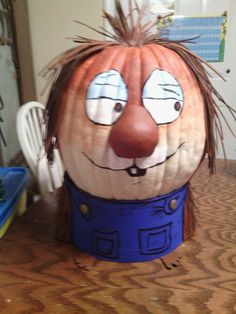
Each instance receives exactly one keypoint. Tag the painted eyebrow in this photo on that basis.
(106, 97)
(108, 75)
(166, 98)
(103, 84)
(167, 84)
(171, 91)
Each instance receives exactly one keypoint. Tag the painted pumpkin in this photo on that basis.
(133, 118)
(132, 123)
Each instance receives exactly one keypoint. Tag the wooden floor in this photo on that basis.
(41, 275)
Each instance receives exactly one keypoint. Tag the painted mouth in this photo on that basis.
(135, 171)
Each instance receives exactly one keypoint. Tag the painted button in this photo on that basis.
(173, 204)
(84, 209)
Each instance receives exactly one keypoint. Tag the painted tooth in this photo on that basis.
(134, 170)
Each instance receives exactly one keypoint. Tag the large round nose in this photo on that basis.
(135, 134)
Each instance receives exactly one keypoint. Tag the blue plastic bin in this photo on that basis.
(15, 180)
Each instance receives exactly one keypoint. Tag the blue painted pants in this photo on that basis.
(127, 231)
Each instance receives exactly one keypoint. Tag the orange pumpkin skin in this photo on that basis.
(88, 150)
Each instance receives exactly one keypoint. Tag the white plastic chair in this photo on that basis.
(31, 131)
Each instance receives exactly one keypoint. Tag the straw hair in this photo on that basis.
(130, 31)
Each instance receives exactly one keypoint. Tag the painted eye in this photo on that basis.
(106, 98)
(177, 106)
(163, 97)
(118, 107)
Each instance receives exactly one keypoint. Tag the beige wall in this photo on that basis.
(51, 22)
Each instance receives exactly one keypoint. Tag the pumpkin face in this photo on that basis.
(132, 123)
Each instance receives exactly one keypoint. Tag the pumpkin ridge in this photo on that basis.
(111, 57)
(149, 57)
(180, 66)
(162, 60)
(77, 77)
(123, 69)
(119, 57)
(133, 77)
(168, 60)
(133, 67)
